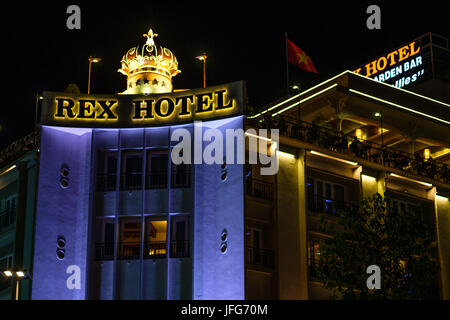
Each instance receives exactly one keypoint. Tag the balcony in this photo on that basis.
(259, 189)
(104, 251)
(156, 180)
(320, 204)
(259, 257)
(131, 181)
(152, 250)
(7, 217)
(181, 178)
(337, 141)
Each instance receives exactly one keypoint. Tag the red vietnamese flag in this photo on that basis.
(298, 57)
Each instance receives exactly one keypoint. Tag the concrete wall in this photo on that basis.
(62, 212)
(443, 227)
(291, 222)
(219, 206)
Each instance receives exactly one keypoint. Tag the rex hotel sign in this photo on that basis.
(127, 111)
(400, 67)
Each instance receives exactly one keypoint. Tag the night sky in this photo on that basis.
(242, 41)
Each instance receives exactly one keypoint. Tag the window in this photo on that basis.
(131, 178)
(105, 238)
(256, 253)
(129, 245)
(6, 262)
(181, 175)
(107, 171)
(313, 256)
(155, 237)
(155, 242)
(8, 211)
(179, 246)
(157, 164)
(323, 196)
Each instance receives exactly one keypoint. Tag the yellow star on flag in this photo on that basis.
(302, 58)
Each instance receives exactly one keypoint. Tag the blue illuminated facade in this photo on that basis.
(116, 219)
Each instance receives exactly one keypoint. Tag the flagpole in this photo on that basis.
(287, 63)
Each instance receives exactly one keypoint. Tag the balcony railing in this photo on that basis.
(313, 267)
(7, 217)
(259, 189)
(316, 203)
(131, 181)
(334, 140)
(156, 180)
(128, 250)
(181, 178)
(180, 249)
(104, 251)
(155, 249)
(259, 257)
(152, 250)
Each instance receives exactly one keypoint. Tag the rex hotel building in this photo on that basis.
(115, 218)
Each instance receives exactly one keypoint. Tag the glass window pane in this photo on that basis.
(155, 237)
(129, 244)
(180, 237)
(131, 178)
(106, 171)
(157, 165)
(338, 197)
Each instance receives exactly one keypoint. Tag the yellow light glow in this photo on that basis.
(202, 57)
(258, 137)
(358, 133)
(409, 92)
(95, 60)
(441, 153)
(399, 106)
(296, 96)
(426, 153)
(442, 198)
(334, 158)
(9, 169)
(412, 180)
(285, 154)
(366, 177)
(304, 100)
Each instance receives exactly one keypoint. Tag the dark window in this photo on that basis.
(179, 247)
(313, 257)
(157, 169)
(181, 175)
(339, 197)
(105, 239)
(131, 171)
(107, 171)
(310, 194)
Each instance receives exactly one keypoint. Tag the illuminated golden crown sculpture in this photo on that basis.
(150, 68)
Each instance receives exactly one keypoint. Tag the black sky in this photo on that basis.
(243, 40)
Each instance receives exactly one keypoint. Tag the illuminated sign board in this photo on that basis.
(402, 67)
(128, 111)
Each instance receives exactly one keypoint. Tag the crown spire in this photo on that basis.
(150, 35)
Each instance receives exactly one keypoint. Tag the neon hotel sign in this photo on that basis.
(122, 111)
(399, 68)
